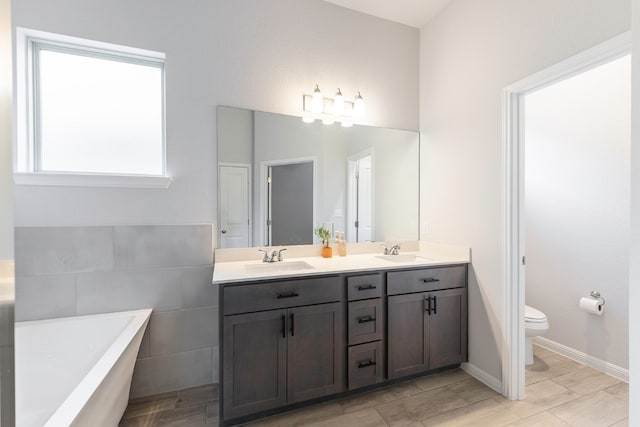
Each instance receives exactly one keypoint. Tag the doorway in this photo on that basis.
(513, 200)
(288, 202)
(360, 197)
(235, 205)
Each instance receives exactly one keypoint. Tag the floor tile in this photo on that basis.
(596, 409)
(364, 418)
(543, 419)
(585, 380)
(549, 367)
(620, 390)
(466, 414)
(472, 390)
(540, 397)
(378, 397)
(443, 378)
(149, 407)
(420, 406)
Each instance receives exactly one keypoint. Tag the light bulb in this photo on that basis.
(358, 107)
(317, 101)
(338, 104)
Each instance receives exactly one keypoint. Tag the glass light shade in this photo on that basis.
(308, 119)
(346, 124)
(328, 121)
(338, 104)
(358, 107)
(317, 101)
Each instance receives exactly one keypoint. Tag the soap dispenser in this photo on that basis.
(342, 244)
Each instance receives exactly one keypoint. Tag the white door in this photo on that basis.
(360, 199)
(234, 207)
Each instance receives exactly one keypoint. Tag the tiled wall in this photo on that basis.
(68, 271)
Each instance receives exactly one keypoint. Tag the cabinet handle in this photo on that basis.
(435, 305)
(288, 295)
(429, 280)
(366, 364)
(366, 319)
(284, 327)
(291, 317)
(427, 303)
(365, 287)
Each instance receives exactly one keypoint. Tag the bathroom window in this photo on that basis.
(89, 113)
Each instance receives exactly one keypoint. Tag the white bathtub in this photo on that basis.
(76, 371)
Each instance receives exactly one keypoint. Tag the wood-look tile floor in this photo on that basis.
(560, 392)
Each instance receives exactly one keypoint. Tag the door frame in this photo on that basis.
(349, 216)
(264, 173)
(513, 238)
(249, 194)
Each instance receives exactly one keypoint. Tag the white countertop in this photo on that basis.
(255, 269)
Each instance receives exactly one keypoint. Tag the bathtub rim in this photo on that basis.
(73, 404)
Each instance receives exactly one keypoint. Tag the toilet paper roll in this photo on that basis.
(591, 305)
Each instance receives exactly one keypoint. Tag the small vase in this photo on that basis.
(327, 252)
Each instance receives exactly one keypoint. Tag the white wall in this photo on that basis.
(6, 178)
(253, 54)
(577, 139)
(469, 53)
(634, 273)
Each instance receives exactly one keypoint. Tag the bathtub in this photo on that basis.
(76, 371)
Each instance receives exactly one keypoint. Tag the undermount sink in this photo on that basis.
(265, 267)
(403, 258)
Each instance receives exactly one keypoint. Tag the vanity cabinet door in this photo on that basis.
(447, 328)
(254, 360)
(315, 350)
(408, 328)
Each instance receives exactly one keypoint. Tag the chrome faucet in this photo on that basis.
(274, 257)
(392, 250)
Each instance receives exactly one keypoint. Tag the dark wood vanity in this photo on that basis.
(289, 342)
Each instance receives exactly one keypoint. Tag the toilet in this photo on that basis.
(535, 324)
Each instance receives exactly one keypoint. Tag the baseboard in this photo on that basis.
(488, 380)
(580, 357)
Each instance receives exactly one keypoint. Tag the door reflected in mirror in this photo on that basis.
(278, 178)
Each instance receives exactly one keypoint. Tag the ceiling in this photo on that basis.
(415, 13)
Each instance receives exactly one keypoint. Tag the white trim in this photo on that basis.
(615, 371)
(512, 195)
(92, 180)
(26, 158)
(488, 380)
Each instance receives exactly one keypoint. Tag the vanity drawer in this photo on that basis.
(282, 294)
(426, 279)
(363, 287)
(366, 364)
(365, 321)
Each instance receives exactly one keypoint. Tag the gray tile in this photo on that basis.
(197, 395)
(378, 397)
(443, 378)
(7, 319)
(619, 390)
(301, 417)
(45, 297)
(420, 406)
(7, 379)
(177, 331)
(585, 380)
(137, 409)
(466, 415)
(363, 418)
(543, 419)
(55, 250)
(145, 346)
(149, 246)
(171, 372)
(472, 390)
(197, 289)
(119, 291)
(190, 416)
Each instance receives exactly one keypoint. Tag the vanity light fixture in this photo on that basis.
(331, 110)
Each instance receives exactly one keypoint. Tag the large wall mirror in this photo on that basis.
(279, 177)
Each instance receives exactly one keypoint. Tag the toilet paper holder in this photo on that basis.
(596, 294)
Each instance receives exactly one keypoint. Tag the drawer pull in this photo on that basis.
(284, 327)
(292, 323)
(427, 303)
(430, 280)
(435, 306)
(288, 295)
(366, 319)
(366, 364)
(365, 287)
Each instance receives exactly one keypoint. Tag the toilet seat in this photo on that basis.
(532, 315)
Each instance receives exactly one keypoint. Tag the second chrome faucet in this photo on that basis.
(275, 256)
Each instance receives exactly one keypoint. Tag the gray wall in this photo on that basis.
(68, 271)
(468, 54)
(577, 208)
(256, 54)
(6, 223)
(634, 279)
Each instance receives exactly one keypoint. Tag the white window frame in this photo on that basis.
(26, 151)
